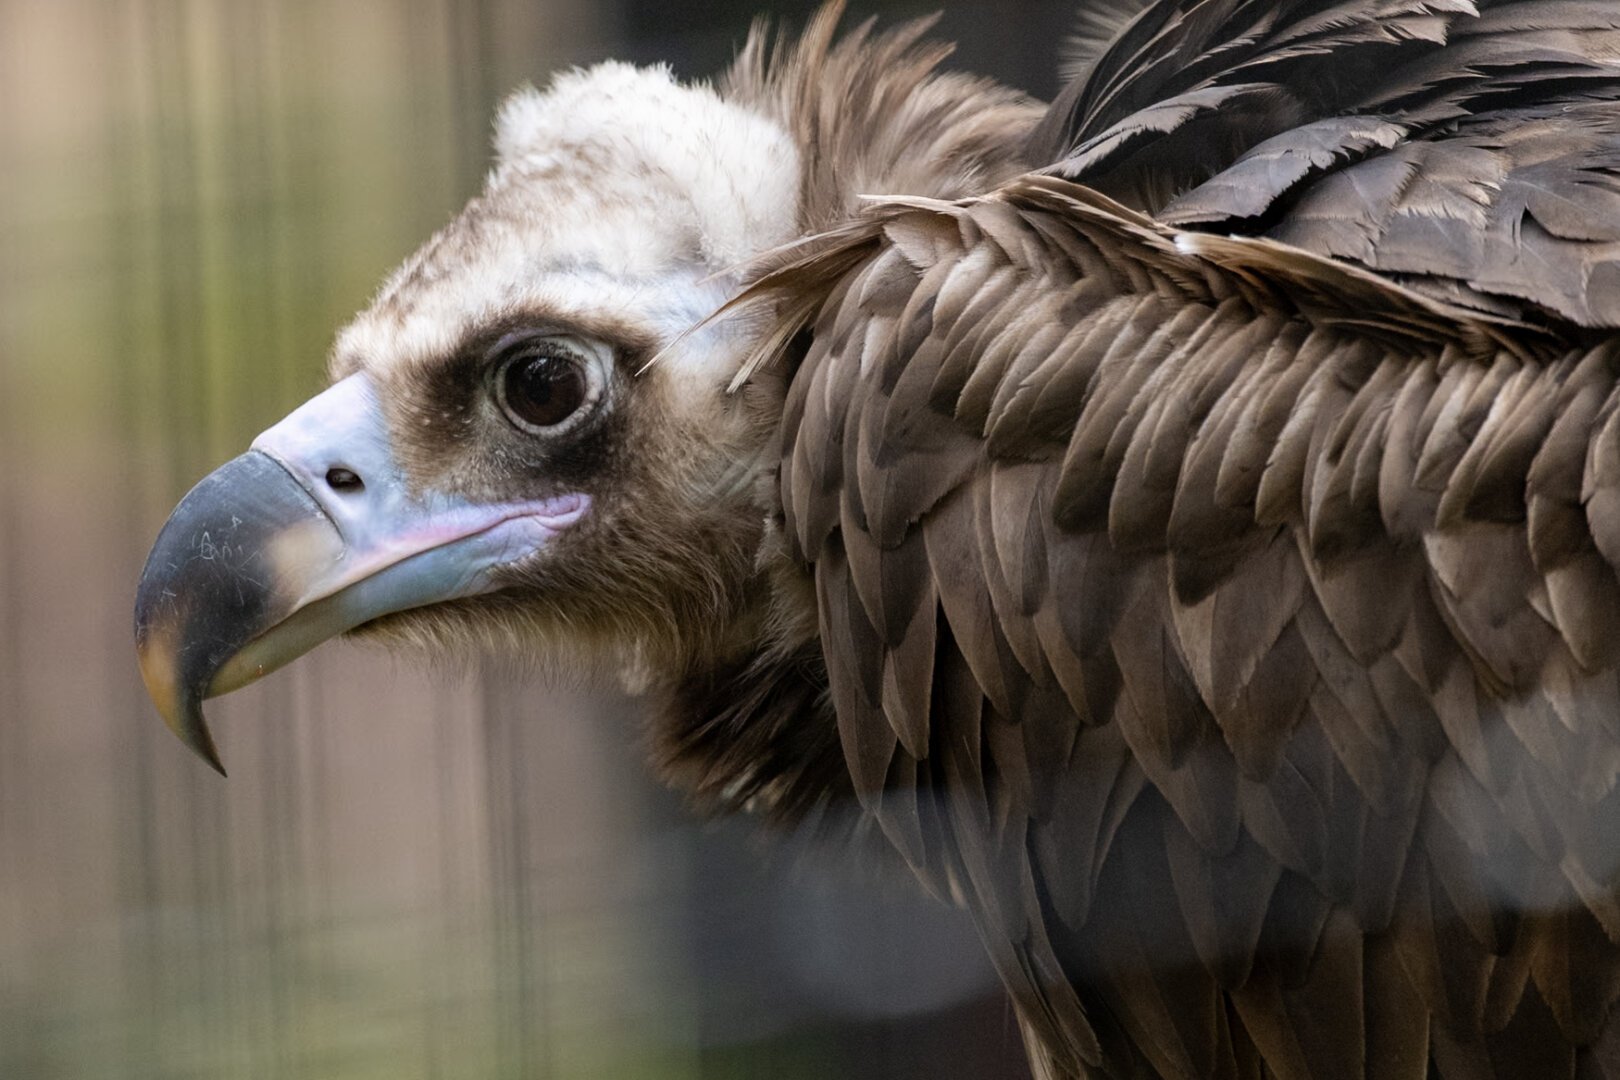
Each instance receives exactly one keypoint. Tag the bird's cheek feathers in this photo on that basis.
(311, 533)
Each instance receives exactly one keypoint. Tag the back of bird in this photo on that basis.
(1216, 532)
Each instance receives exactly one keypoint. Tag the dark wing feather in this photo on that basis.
(1217, 556)
(1471, 147)
(1192, 609)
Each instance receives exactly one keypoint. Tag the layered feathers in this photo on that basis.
(1214, 534)
(1465, 145)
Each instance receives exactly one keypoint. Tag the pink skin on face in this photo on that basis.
(485, 537)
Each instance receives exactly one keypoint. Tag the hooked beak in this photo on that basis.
(309, 534)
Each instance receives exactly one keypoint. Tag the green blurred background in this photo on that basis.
(409, 874)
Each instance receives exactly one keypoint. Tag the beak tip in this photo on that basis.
(181, 710)
(203, 747)
(189, 725)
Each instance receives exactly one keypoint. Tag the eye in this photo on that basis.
(543, 391)
(543, 383)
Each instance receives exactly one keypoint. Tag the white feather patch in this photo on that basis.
(738, 169)
(616, 194)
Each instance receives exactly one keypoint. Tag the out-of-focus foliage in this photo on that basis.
(405, 876)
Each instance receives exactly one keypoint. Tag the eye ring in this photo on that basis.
(546, 384)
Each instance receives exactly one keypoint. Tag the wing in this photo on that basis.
(1470, 147)
(1232, 631)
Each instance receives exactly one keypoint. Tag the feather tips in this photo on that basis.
(1240, 540)
(1193, 508)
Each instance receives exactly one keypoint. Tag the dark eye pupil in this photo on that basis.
(544, 390)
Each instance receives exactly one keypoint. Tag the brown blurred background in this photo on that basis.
(408, 875)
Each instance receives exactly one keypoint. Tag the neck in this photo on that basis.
(749, 725)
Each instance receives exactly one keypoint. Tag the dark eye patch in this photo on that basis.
(500, 413)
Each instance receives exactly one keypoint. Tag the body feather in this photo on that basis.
(1215, 547)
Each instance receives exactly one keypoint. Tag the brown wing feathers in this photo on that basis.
(1468, 145)
(1200, 642)
(1231, 624)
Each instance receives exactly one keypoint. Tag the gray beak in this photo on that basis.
(311, 533)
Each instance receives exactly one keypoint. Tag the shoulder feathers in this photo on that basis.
(1214, 532)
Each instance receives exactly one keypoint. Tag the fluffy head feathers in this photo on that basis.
(736, 171)
(618, 198)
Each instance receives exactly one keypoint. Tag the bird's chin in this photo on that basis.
(521, 630)
(446, 628)
(462, 631)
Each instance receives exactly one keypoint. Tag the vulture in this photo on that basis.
(1182, 521)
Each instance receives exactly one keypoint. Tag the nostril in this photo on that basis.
(344, 481)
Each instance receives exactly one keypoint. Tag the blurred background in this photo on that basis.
(408, 874)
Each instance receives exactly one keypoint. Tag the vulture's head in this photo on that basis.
(532, 441)
(528, 438)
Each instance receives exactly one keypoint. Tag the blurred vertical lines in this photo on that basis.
(14, 1010)
(143, 381)
(521, 1035)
